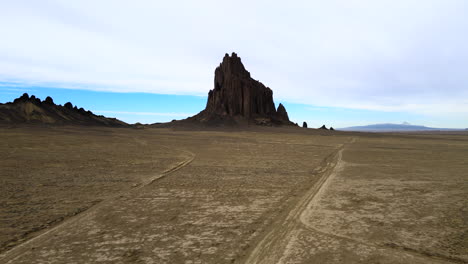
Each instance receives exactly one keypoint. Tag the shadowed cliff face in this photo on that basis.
(236, 93)
(236, 96)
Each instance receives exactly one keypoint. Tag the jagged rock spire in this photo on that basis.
(236, 94)
(281, 113)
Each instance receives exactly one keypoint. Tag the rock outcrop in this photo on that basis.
(49, 101)
(323, 127)
(238, 99)
(282, 114)
(304, 124)
(31, 110)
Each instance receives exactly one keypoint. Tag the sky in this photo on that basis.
(339, 63)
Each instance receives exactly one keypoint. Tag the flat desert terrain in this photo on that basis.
(269, 195)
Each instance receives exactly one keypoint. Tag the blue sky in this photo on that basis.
(151, 108)
(337, 62)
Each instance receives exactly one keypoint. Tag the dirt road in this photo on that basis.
(298, 237)
(234, 197)
(211, 210)
(272, 247)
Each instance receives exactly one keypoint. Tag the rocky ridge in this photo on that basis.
(31, 110)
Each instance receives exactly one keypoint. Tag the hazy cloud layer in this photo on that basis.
(145, 113)
(406, 55)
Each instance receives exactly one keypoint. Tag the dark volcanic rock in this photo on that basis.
(331, 128)
(68, 105)
(235, 93)
(237, 98)
(32, 110)
(282, 114)
(49, 101)
(304, 125)
(23, 98)
(35, 100)
(323, 127)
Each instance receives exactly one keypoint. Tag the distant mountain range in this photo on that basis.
(395, 128)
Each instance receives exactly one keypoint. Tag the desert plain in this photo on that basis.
(257, 195)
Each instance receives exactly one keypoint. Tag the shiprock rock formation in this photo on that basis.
(238, 99)
(31, 110)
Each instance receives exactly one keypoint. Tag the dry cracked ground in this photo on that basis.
(100, 195)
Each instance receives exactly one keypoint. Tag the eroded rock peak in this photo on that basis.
(237, 95)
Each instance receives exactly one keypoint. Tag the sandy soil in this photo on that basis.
(50, 174)
(393, 199)
(264, 196)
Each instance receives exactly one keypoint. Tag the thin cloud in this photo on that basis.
(145, 113)
(388, 55)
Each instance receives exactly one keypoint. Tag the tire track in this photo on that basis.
(271, 247)
(387, 246)
(15, 252)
